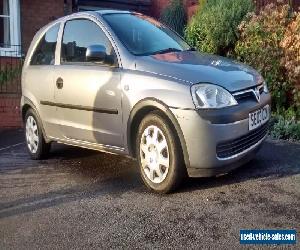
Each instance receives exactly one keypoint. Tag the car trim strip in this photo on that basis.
(80, 107)
(89, 145)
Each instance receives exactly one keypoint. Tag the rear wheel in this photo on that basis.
(36, 145)
(159, 154)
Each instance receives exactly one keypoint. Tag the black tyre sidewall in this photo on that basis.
(175, 172)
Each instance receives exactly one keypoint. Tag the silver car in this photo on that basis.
(123, 83)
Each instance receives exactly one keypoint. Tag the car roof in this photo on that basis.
(88, 13)
(96, 13)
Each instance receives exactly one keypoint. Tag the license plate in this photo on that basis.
(259, 117)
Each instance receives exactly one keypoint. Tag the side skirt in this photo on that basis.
(89, 145)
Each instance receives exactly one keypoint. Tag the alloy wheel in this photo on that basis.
(32, 134)
(154, 154)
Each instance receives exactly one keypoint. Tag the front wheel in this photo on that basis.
(36, 145)
(159, 154)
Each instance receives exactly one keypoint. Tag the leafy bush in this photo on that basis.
(286, 129)
(8, 75)
(174, 16)
(214, 28)
(260, 45)
(291, 57)
(291, 47)
(201, 4)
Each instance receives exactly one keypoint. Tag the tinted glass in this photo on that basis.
(4, 32)
(4, 24)
(45, 51)
(4, 7)
(78, 36)
(143, 35)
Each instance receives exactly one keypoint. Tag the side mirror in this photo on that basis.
(95, 53)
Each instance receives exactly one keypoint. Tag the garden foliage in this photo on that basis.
(269, 42)
(174, 16)
(214, 28)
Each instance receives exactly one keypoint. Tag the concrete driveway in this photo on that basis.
(85, 199)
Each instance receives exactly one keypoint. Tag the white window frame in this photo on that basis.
(15, 32)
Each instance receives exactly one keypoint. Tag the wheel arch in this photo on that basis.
(29, 105)
(139, 111)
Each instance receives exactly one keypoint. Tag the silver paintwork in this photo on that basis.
(165, 80)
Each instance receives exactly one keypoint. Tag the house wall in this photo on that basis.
(10, 111)
(10, 92)
(35, 14)
(142, 6)
(159, 5)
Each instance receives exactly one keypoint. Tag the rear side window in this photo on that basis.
(78, 35)
(44, 53)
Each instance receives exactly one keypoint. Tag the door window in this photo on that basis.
(45, 51)
(78, 35)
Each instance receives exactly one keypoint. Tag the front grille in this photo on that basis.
(244, 96)
(240, 144)
(248, 94)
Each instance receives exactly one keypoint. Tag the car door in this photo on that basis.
(87, 94)
(39, 79)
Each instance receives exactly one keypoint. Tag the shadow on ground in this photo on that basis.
(97, 174)
(276, 159)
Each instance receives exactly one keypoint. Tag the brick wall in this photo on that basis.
(37, 13)
(159, 5)
(34, 15)
(191, 7)
(10, 90)
(10, 111)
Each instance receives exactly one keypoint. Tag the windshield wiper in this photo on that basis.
(162, 51)
(191, 49)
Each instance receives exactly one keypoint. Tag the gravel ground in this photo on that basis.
(85, 199)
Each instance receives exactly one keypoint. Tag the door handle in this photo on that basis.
(59, 83)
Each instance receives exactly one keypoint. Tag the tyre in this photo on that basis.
(35, 142)
(159, 154)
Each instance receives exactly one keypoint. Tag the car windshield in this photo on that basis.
(143, 35)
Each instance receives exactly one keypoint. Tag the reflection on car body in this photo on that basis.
(121, 82)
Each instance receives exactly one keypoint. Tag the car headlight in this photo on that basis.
(210, 96)
(266, 90)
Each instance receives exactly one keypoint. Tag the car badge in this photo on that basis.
(257, 94)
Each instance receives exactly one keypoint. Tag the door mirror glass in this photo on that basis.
(85, 42)
(96, 53)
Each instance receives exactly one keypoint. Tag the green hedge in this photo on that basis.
(214, 28)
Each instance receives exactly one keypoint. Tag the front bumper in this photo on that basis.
(202, 138)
